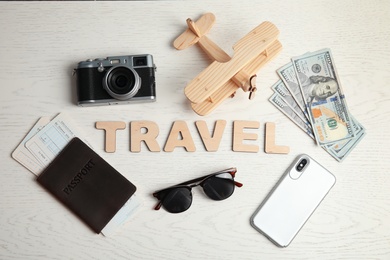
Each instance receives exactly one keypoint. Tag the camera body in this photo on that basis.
(116, 80)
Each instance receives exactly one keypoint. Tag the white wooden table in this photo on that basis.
(41, 43)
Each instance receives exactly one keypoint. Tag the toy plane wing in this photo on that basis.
(194, 33)
(230, 87)
(218, 74)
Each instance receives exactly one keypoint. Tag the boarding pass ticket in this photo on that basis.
(42, 144)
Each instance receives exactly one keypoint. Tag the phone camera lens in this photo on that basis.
(301, 165)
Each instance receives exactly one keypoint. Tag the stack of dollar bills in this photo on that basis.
(309, 93)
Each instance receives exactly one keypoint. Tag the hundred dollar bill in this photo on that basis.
(338, 150)
(324, 98)
(342, 149)
(281, 89)
(289, 78)
(342, 154)
(280, 104)
(338, 146)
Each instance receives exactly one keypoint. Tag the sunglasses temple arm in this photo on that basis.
(158, 206)
(238, 184)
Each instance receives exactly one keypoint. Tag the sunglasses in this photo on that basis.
(178, 198)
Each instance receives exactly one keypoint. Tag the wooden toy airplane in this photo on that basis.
(226, 74)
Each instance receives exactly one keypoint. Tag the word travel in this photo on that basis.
(179, 136)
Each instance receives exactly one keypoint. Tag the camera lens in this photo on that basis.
(121, 82)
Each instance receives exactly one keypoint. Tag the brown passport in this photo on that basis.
(86, 184)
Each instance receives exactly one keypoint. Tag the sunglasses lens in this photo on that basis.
(219, 187)
(177, 200)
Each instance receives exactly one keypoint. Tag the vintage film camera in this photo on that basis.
(116, 80)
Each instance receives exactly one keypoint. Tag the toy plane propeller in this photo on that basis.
(226, 74)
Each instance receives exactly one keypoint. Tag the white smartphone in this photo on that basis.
(293, 199)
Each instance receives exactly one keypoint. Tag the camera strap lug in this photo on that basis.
(100, 68)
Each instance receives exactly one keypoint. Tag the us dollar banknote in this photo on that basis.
(280, 88)
(341, 149)
(323, 97)
(309, 88)
(280, 104)
(289, 78)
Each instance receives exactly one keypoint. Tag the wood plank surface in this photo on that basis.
(42, 42)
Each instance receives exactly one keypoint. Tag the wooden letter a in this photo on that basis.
(179, 128)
